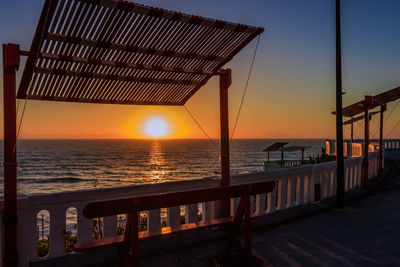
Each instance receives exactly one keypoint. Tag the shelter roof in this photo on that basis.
(110, 51)
(359, 118)
(380, 99)
(295, 148)
(275, 146)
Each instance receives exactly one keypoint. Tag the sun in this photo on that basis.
(156, 127)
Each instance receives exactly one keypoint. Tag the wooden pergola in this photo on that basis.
(353, 120)
(363, 106)
(115, 52)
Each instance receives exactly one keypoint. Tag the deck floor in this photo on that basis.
(365, 233)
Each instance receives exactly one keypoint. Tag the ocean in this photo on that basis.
(52, 166)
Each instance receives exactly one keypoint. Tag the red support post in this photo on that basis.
(224, 83)
(10, 66)
(351, 137)
(383, 109)
(367, 104)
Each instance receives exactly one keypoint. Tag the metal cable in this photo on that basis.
(391, 112)
(397, 124)
(245, 88)
(201, 128)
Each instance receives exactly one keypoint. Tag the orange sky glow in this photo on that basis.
(291, 92)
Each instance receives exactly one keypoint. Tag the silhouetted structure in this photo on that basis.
(115, 52)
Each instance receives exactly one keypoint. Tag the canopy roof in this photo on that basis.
(275, 146)
(295, 148)
(378, 100)
(112, 51)
(359, 118)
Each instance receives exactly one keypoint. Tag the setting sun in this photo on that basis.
(156, 127)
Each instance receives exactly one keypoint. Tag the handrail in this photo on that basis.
(166, 200)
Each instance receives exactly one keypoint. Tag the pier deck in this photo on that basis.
(365, 233)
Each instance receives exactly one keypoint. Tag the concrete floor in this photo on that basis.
(365, 233)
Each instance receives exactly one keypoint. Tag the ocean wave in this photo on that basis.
(55, 180)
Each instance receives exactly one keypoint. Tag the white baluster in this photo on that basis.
(271, 200)
(282, 193)
(174, 214)
(57, 231)
(300, 190)
(234, 205)
(84, 226)
(208, 210)
(313, 179)
(110, 226)
(260, 204)
(191, 213)
(292, 190)
(154, 220)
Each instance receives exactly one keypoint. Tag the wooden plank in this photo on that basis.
(165, 200)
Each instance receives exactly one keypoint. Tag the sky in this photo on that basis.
(291, 91)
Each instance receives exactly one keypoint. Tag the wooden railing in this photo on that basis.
(295, 186)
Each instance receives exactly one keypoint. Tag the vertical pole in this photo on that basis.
(383, 109)
(351, 137)
(339, 112)
(224, 83)
(367, 101)
(302, 155)
(10, 66)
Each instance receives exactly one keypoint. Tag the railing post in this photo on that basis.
(10, 66)
(383, 109)
(367, 103)
(339, 112)
(224, 83)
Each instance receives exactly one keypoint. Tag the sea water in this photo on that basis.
(52, 166)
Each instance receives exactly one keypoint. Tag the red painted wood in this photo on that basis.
(224, 83)
(115, 241)
(132, 206)
(10, 66)
(367, 104)
(383, 109)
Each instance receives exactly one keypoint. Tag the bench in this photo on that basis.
(129, 242)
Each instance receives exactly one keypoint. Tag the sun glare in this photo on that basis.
(156, 127)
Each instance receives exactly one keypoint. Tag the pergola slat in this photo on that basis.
(129, 48)
(112, 51)
(377, 100)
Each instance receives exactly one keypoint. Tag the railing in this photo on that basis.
(295, 186)
(277, 164)
(356, 149)
(391, 143)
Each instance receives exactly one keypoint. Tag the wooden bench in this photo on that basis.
(129, 242)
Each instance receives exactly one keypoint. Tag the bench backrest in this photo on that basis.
(173, 199)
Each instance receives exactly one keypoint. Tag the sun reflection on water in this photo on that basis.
(156, 163)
